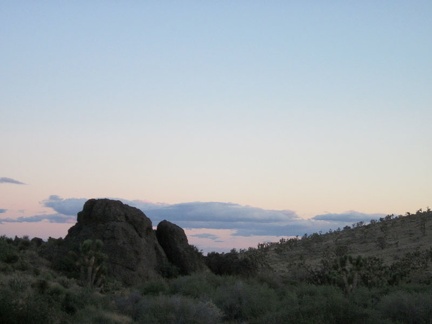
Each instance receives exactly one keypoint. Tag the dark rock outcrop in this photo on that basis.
(130, 243)
(173, 240)
(135, 252)
(37, 241)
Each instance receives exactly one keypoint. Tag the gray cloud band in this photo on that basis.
(244, 220)
(10, 180)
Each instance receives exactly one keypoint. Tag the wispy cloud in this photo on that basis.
(2, 210)
(70, 206)
(50, 218)
(242, 220)
(349, 216)
(207, 236)
(10, 180)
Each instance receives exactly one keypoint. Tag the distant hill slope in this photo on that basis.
(391, 239)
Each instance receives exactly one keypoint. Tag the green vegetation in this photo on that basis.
(344, 276)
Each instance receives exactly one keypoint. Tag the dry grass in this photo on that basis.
(389, 239)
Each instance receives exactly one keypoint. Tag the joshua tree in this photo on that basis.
(91, 262)
(349, 269)
(422, 217)
(381, 242)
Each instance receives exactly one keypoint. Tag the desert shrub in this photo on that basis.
(94, 315)
(39, 309)
(413, 288)
(8, 252)
(273, 280)
(128, 304)
(7, 307)
(365, 298)
(66, 282)
(5, 268)
(176, 309)
(22, 265)
(19, 282)
(56, 290)
(154, 287)
(287, 312)
(407, 307)
(168, 270)
(111, 285)
(196, 285)
(67, 264)
(19, 304)
(245, 301)
(41, 286)
(327, 304)
(22, 243)
(77, 298)
(244, 263)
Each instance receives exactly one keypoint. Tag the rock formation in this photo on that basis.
(135, 252)
(129, 241)
(173, 240)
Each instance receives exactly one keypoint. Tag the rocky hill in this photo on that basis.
(394, 241)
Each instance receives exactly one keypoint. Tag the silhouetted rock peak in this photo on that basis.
(174, 241)
(103, 211)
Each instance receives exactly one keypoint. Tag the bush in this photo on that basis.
(19, 282)
(168, 270)
(94, 315)
(154, 287)
(286, 313)
(327, 304)
(8, 253)
(244, 263)
(245, 301)
(407, 307)
(77, 298)
(176, 309)
(19, 304)
(199, 285)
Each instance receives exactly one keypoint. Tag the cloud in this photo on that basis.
(207, 236)
(243, 220)
(10, 180)
(2, 210)
(50, 218)
(339, 220)
(70, 206)
(219, 212)
(348, 216)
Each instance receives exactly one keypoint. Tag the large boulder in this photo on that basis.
(129, 241)
(174, 241)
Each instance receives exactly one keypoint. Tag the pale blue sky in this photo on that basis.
(312, 107)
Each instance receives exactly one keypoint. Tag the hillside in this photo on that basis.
(391, 240)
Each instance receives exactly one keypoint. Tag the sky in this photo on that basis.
(241, 121)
